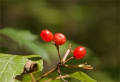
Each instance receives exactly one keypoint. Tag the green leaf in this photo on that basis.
(25, 39)
(26, 78)
(12, 65)
(19, 34)
(37, 59)
(49, 80)
(56, 81)
(74, 77)
(82, 77)
(44, 79)
(17, 81)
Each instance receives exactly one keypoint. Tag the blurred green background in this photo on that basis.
(91, 23)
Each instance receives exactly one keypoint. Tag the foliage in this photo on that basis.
(24, 42)
(92, 23)
(25, 39)
(82, 77)
(13, 65)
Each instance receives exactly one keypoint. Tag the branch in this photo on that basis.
(58, 77)
(67, 53)
(84, 66)
(33, 78)
(57, 47)
(68, 59)
(65, 76)
(47, 73)
(59, 72)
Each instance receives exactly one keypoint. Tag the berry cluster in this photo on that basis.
(60, 39)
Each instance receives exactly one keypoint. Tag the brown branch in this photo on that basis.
(84, 66)
(58, 50)
(33, 78)
(49, 80)
(65, 76)
(58, 77)
(59, 72)
(62, 63)
(67, 53)
(68, 59)
(47, 73)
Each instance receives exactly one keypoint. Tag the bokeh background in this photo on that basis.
(94, 24)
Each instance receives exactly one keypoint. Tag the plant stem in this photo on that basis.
(71, 66)
(47, 73)
(84, 66)
(67, 53)
(59, 72)
(65, 76)
(58, 77)
(68, 59)
(33, 78)
(58, 50)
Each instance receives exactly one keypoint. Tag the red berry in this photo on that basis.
(79, 52)
(59, 39)
(46, 35)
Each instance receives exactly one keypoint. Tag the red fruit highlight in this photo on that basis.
(79, 52)
(46, 35)
(59, 39)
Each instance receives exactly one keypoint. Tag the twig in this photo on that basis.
(62, 63)
(68, 59)
(71, 66)
(57, 47)
(33, 78)
(47, 73)
(58, 77)
(59, 72)
(49, 80)
(84, 66)
(65, 76)
(67, 53)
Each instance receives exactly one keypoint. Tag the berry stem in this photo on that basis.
(67, 53)
(58, 50)
(65, 76)
(71, 66)
(68, 59)
(84, 66)
(59, 72)
(33, 78)
(47, 73)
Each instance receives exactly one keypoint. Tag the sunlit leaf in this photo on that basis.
(82, 77)
(12, 65)
(37, 59)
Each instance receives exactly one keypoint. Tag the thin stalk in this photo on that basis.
(59, 72)
(68, 59)
(33, 78)
(65, 76)
(71, 66)
(67, 53)
(58, 50)
(47, 73)
(84, 66)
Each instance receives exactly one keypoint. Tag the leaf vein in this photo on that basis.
(6, 65)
